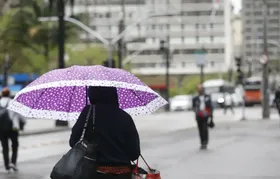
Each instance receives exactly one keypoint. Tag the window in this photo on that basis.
(248, 13)
(219, 39)
(108, 15)
(220, 13)
(258, 13)
(248, 29)
(204, 13)
(204, 40)
(189, 40)
(273, 21)
(175, 28)
(175, 41)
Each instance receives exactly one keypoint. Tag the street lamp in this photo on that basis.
(109, 44)
(265, 103)
(165, 49)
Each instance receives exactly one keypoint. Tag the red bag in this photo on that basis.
(205, 113)
(151, 173)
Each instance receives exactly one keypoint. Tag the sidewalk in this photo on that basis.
(42, 126)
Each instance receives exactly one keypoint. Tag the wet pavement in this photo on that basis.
(240, 150)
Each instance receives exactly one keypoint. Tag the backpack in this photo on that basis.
(6, 124)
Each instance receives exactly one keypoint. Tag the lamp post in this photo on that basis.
(265, 103)
(165, 48)
(61, 43)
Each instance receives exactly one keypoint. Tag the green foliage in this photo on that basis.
(92, 55)
(27, 40)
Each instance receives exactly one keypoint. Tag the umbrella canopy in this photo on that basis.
(61, 93)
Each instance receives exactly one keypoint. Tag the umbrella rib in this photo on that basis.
(71, 98)
(37, 100)
(140, 99)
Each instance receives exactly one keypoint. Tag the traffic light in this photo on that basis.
(240, 74)
(106, 63)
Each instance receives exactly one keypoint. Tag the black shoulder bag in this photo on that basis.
(80, 161)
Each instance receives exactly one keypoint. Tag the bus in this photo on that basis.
(218, 86)
(253, 91)
(217, 89)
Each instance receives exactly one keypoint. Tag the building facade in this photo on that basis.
(253, 20)
(192, 26)
(237, 35)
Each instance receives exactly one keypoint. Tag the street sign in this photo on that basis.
(11, 80)
(264, 59)
(200, 56)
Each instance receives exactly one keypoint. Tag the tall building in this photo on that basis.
(253, 20)
(192, 26)
(237, 35)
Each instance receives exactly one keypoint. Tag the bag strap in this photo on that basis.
(137, 166)
(86, 123)
(93, 118)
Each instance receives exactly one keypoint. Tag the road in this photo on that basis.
(237, 150)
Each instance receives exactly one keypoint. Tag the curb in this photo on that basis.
(46, 131)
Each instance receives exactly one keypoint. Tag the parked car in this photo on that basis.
(181, 103)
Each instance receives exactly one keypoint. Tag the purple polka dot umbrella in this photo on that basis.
(61, 93)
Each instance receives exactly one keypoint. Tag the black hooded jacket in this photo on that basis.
(119, 142)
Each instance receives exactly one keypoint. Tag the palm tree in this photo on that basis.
(23, 30)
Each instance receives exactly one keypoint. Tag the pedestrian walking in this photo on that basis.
(203, 109)
(118, 139)
(11, 123)
(277, 99)
(228, 104)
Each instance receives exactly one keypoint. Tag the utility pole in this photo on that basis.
(265, 90)
(121, 41)
(165, 48)
(201, 62)
(240, 83)
(201, 74)
(61, 43)
(61, 32)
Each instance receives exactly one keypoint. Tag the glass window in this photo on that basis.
(219, 39)
(189, 40)
(175, 41)
(204, 39)
(175, 28)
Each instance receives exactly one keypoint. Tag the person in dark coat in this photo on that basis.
(203, 109)
(118, 142)
(277, 99)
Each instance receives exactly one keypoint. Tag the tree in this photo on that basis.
(21, 30)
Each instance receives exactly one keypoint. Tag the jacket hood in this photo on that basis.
(103, 95)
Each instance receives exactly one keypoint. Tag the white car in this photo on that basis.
(181, 103)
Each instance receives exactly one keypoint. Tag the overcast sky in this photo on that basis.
(237, 5)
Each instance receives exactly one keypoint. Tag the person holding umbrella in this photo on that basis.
(114, 94)
(118, 137)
